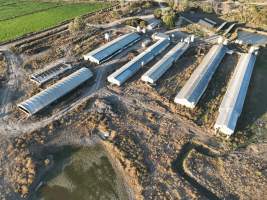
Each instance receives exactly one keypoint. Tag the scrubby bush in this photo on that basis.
(158, 13)
(76, 25)
(116, 14)
(147, 4)
(169, 19)
(143, 24)
(207, 7)
(251, 14)
(136, 22)
(183, 5)
(171, 3)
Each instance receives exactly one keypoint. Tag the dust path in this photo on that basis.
(13, 84)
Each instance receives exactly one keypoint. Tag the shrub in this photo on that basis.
(147, 4)
(171, 3)
(132, 22)
(142, 24)
(169, 20)
(207, 8)
(157, 13)
(136, 22)
(115, 14)
(76, 25)
(183, 5)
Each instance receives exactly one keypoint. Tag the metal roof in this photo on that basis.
(251, 38)
(221, 26)
(205, 23)
(158, 47)
(153, 23)
(47, 75)
(106, 51)
(210, 21)
(199, 80)
(232, 104)
(51, 94)
(130, 68)
(155, 72)
(229, 29)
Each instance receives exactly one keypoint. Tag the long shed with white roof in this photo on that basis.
(112, 48)
(155, 72)
(130, 68)
(199, 80)
(232, 104)
(51, 94)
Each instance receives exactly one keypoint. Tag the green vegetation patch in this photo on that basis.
(41, 20)
(9, 11)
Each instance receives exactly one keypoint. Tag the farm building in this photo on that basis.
(221, 26)
(232, 104)
(126, 71)
(229, 29)
(205, 23)
(51, 94)
(199, 80)
(49, 74)
(158, 36)
(153, 23)
(112, 48)
(210, 21)
(154, 73)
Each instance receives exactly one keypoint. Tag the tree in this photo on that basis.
(158, 13)
(171, 3)
(207, 7)
(147, 4)
(169, 20)
(76, 25)
(183, 5)
(142, 24)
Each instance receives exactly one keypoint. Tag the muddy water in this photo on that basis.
(84, 174)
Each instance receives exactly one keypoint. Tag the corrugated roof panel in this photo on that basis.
(155, 72)
(49, 74)
(205, 23)
(130, 68)
(158, 47)
(51, 94)
(199, 80)
(234, 98)
(107, 50)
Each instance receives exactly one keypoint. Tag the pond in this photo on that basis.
(81, 173)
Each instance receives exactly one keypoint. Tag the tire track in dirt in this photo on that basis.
(178, 167)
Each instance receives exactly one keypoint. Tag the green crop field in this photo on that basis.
(20, 17)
